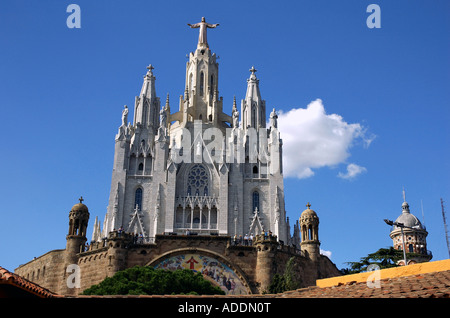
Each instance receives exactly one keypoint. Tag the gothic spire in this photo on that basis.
(148, 87)
(147, 103)
(253, 107)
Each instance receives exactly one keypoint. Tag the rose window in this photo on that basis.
(197, 181)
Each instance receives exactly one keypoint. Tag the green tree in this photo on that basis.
(144, 280)
(287, 281)
(384, 258)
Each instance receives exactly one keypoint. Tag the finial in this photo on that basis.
(81, 199)
(404, 195)
(150, 69)
(253, 70)
(167, 100)
(308, 205)
(186, 93)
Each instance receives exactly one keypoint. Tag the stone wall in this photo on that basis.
(46, 270)
(255, 265)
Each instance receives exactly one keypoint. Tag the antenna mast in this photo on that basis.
(445, 226)
(423, 215)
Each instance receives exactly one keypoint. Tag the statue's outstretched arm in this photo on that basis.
(194, 26)
(211, 25)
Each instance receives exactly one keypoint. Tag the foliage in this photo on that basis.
(384, 258)
(144, 280)
(287, 281)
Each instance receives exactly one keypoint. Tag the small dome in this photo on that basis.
(308, 212)
(408, 219)
(80, 207)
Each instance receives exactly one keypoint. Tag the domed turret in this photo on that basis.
(414, 235)
(79, 207)
(309, 227)
(78, 219)
(408, 219)
(78, 222)
(309, 224)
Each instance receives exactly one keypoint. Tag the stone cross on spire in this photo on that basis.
(150, 69)
(253, 71)
(202, 41)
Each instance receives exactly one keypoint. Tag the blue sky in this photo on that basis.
(62, 92)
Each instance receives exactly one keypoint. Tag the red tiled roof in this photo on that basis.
(429, 285)
(8, 279)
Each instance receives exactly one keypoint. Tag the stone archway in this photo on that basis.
(214, 267)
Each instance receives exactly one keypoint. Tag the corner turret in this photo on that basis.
(309, 227)
(78, 222)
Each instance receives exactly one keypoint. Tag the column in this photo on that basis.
(209, 217)
(201, 214)
(144, 159)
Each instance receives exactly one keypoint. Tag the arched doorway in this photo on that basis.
(213, 266)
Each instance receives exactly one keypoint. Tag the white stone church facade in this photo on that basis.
(198, 169)
(195, 171)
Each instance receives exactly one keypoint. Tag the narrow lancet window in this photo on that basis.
(202, 83)
(256, 201)
(138, 198)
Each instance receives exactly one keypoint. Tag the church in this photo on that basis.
(192, 188)
(198, 169)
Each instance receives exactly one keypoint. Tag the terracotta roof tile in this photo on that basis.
(8, 278)
(429, 285)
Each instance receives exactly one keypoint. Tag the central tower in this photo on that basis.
(201, 96)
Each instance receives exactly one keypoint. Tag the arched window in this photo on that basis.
(411, 248)
(255, 169)
(141, 166)
(256, 201)
(138, 198)
(202, 83)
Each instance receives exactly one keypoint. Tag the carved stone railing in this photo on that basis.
(199, 200)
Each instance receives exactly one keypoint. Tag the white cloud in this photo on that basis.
(352, 171)
(326, 253)
(313, 139)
